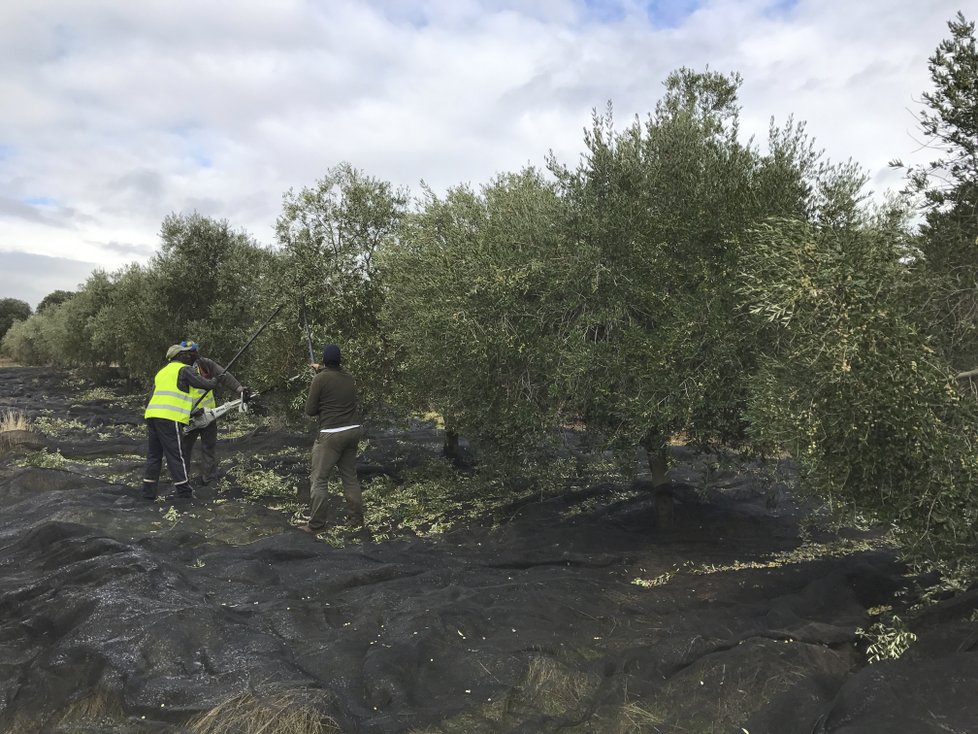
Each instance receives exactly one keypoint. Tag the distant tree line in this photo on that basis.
(675, 280)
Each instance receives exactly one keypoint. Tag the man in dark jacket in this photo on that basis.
(166, 415)
(333, 400)
(209, 370)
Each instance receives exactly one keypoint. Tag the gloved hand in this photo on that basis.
(245, 393)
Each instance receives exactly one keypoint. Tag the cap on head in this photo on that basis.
(184, 346)
(331, 355)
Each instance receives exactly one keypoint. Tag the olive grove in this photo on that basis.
(677, 280)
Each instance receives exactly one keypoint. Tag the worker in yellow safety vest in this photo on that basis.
(166, 415)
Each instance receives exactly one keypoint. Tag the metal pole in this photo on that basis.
(240, 352)
(305, 323)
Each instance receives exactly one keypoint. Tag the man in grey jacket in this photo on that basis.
(207, 369)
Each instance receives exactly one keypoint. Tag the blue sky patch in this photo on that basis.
(40, 200)
(779, 8)
(190, 134)
(670, 13)
(201, 159)
(604, 11)
(413, 14)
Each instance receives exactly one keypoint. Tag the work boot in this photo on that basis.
(148, 491)
(183, 491)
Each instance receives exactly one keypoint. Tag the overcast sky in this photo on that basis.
(119, 112)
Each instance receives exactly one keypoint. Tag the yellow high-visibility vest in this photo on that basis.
(168, 400)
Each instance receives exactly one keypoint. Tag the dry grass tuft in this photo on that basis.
(554, 688)
(276, 712)
(100, 709)
(12, 421)
(635, 719)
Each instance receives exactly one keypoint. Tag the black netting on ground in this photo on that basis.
(118, 615)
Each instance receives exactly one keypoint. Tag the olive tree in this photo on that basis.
(54, 298)
(948, 243)
(22, 342)
(327, 279)
(482, 288)
(11, 310)
(853, 389)
(205, 285)
(657, 210)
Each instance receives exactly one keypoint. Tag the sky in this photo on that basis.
(117, 113)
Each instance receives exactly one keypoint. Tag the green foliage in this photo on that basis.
(44, 460)
(12, 310)
(124, 329)
(203, 285)
(851, 388)
(657, 210)
(258, 483)
(675, 280)
(887, 641)
(430, 500)
(58, 427)
(948, 243)
(54, 298)
(327, 276)
(478, 292)
(22, 342)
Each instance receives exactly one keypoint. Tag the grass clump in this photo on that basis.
(14, 421)
(279, 712)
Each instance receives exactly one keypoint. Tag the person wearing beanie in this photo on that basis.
(166, 415)
(210, 370)
(333, 402)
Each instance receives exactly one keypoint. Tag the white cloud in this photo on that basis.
(118, 113)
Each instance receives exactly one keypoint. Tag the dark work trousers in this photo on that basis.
(335, 450)
(165, 441)
(208, 450)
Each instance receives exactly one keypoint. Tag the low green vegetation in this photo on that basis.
(887, 640)
(58, 427)
(44, 459)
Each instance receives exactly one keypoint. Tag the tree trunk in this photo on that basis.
(662, 496)
(450, 447)
(658, 458)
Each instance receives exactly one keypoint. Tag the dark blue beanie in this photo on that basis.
(331, 355)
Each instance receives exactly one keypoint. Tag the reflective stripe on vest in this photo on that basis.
(168, 401)
(210, 401)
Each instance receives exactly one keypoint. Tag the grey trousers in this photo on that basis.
(337, 450)
(208, 450)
